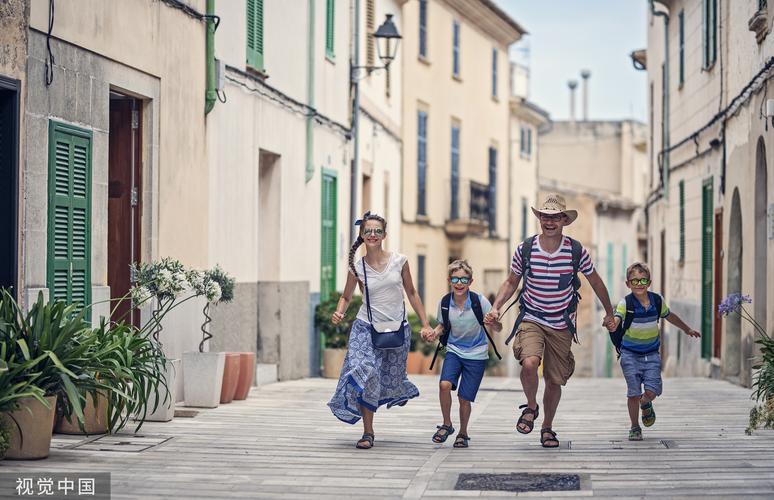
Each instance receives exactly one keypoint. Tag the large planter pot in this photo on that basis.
(165, 411)
(333, 360)
(31, 432)
(246, 375)
(414, 362)
(203, 378)
(95, 418)
(230, 377)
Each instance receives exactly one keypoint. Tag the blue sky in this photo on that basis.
(566, 36)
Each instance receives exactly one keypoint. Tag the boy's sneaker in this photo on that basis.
(650, 418)
(635, 434)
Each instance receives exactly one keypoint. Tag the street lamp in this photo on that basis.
(387, 40)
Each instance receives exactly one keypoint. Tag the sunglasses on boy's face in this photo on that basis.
(376, 231)
(639, 281)
(455, 279)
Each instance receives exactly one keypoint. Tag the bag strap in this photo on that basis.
(445, 303)
(629, 315)
(368, 299)
(475, 304)
(658, 302)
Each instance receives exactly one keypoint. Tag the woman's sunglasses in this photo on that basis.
(377, 231)
(464, 280)
(639, 281)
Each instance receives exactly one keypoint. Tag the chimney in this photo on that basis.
(585, 74)
(572, 84)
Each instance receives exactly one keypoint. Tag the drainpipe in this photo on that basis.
(665, 111)
(211, 95)
(354, 172)
(310, 94)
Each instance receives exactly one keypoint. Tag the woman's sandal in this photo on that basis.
(440, 437)
(551, 437)
(529, 423)
(648, 420)
(461, 441)
(366, 442)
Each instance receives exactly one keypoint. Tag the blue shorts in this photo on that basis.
(641, 370)
(471, 370)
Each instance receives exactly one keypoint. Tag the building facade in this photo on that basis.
(711, 204)
(456, 139)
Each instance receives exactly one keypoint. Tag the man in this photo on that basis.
(546, 325)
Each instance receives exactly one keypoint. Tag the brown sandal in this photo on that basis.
(529, 423)
(547, 435)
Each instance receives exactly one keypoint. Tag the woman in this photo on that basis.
(372, 377)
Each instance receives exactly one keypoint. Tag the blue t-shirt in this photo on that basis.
(467, 338)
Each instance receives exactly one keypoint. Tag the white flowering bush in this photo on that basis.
(216, 286)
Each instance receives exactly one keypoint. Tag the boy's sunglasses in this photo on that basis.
(375, 231)
(639, 281)
(464, 280)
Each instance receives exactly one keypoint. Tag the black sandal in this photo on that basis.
(461, 441)
(367, 440)
(529, 423)
(441, 438)
(551, 437)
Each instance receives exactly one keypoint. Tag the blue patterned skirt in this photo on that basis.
(371, 377)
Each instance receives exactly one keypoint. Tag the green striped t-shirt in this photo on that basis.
(642, 337)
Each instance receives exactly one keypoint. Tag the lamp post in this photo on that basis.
(387, 40)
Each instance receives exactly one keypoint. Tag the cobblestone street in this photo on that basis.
(284, 442)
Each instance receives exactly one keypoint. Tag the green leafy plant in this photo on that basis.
(417, 344)
(336, 336)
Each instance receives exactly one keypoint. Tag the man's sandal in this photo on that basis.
(461, 441)
(635, 434)
(443, 432)
(366, 442)
(548, 438)
(529, 423)
(650, 418)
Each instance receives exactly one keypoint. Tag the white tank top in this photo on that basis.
(385, 290)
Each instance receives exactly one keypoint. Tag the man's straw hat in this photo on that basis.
(555, 204)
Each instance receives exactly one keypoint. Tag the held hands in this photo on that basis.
(336, 317)
(492, 317)
(427, 333)
(692, 333)
(610, 323)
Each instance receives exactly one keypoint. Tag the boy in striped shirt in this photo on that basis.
(640, 359)
(548, 302)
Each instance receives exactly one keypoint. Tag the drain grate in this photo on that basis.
(499, 389)
(122, 442)
(186, 413)
(518, 482)
(643, 445)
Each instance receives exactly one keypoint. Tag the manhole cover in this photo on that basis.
(122, 442)
(518, 482)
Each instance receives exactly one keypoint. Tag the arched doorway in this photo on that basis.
(761, 202)
(732, 356)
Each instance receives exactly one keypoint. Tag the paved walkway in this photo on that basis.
(284, 442)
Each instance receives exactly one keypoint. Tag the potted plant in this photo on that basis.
(205, 370)
(335, 337)
(19, 395)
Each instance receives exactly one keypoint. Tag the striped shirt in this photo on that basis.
(642, 337)
(548, 287)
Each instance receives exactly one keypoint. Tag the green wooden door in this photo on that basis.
(706, 268)
(69, 214)
(328, 236)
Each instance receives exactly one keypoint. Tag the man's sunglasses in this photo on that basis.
(375, 231)
(639, 281)
(464, 280)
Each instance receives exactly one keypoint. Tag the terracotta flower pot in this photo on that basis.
(230, 377)
(426, 360)
(35, 422)
(333, 360)
(246, 375)
(95, 418)
(414, 362)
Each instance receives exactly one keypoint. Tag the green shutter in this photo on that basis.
(255, 34)
(330, 23)
(328, 236)
(681, 258)
(69, 214)
(706, 268)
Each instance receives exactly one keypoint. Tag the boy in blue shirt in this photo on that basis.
(467, 350)
(639, 345)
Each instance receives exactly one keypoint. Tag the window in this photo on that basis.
(455, 172)
(330, 22)
(494, 73)
(255, 34)
(421, 277)
(456, 49)
(369, 33)
(709, 32)
(421, 163)
(681, 29)
(525, 141)
(681, 195)
(328, 235)
(492, 201)
(423, 28)
(524, 207)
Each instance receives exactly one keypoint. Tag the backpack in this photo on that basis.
(475, 304)
(616, 337)
(526, 255)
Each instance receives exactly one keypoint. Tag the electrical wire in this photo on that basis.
(50, 57)
(191, 12)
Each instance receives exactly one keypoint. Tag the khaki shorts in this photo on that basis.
(551, 346)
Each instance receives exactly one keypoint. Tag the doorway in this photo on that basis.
(732, 358)
(124, 201)
(9, 182)
(761, 202)
(716, 334)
